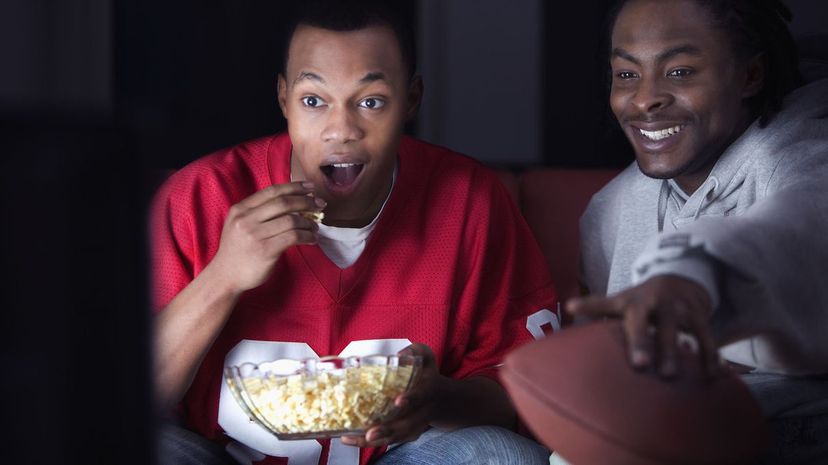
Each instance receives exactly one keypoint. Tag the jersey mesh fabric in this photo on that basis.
(451, 264)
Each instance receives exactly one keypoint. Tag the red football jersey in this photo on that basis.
(450, 264)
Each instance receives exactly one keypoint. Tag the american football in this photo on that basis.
(579, 395)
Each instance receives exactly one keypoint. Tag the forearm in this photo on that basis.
(471, 402)
(755, 256)
(186, 329)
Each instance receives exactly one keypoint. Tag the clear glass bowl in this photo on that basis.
(321, 398)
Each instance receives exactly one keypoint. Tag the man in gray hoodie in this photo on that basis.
(720, 228)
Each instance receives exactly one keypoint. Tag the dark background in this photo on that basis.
(97, 99)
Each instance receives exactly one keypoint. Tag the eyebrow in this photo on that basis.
(309, 76)
(686, 49)
(373, 76)
(368, 78)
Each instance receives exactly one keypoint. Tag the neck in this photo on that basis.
(689, 183)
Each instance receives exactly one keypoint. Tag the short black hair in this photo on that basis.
(352, 15)
(754, 26)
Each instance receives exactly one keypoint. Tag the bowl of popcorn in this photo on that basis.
(321, 398)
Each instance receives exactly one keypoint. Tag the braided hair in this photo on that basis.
(755, 27)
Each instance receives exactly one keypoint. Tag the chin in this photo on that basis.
(664, 164)
(660, 174)
(659, 171)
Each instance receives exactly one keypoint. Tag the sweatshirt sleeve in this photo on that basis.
(767, 267)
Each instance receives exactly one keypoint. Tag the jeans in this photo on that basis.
(479, 445)
(797, 413)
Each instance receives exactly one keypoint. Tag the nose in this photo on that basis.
(651, 95)
(341, 126)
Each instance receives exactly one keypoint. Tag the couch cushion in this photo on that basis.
(552, 201)
(510, 182)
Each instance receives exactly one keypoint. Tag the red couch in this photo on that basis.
(552, 201)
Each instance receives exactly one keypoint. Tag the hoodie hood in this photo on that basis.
(743, 172)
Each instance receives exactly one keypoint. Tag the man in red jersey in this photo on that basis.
(421, 250)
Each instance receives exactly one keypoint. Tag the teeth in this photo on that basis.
(661, 134)
(343, 165)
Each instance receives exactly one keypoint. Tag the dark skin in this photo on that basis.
(436, 400)
(346, 97)
(680, 96)
(671, 303)
(675, 74)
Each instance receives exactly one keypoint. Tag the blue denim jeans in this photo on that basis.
(479, 445)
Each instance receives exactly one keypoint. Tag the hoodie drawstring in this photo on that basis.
(663, 195)
(702, 199)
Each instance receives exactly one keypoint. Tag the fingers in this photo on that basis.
(267, 216)
(413, 408)
(595, 306)
(708, 349)
(405, 430)
(402, 428)
(637, 330)
(274, 246)
(274, 191)
(374, 437)
(356, 441)
(666, 304)
(284, 224)
(271, 237)
(668, 344)
(429, 362)
(418, 349)
(382, 435)
(636, 322)
(409, 404)
(283, 205)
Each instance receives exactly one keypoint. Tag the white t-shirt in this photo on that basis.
(344, 245)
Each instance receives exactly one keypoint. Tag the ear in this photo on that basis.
(282, 94)
(754, 75)
(415, 96)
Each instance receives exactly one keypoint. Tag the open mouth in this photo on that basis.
(662, 133)
(342, 175)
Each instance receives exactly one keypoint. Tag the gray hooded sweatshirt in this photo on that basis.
(754, 234)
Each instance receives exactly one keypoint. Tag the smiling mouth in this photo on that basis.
(663, 133)
(342, 174)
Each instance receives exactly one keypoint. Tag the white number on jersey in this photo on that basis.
(543, 318)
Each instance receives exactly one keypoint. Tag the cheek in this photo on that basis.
(383, 127)
(302, 124)
(719, 113)
(383, 140)
(298, 132)
(616, 101)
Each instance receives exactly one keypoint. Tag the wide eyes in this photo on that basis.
(371, 103)
(312, 101)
